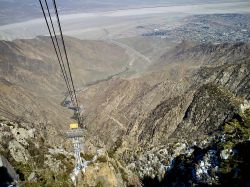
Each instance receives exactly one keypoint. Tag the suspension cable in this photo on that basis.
(69, 82)
(65, 51)
(60, 54)
(54, 45)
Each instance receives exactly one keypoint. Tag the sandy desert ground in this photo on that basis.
(119, 23)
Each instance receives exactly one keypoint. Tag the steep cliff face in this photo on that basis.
(234, 77)
(210, 108)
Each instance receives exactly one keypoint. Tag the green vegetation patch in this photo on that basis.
(114, 148)
(87, 156)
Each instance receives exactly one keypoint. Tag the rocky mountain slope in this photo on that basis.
(31, 82)
(135, 117)
(129, 107)
(188, 113)
(38, 162)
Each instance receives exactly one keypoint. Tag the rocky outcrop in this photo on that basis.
(207, 162)
(103, 173)
(32, 157)
(162, 120)
(37, 163)
(234, 77)
(210, 108)
(223, 161)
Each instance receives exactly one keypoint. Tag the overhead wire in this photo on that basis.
(66, 56)
(67, 75)
(59, 50)
(61, 64)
